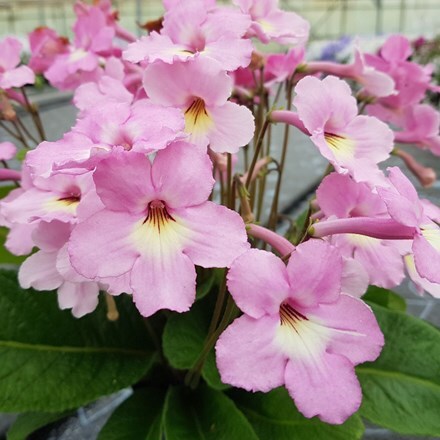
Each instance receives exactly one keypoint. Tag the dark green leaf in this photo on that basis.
(204, 414)
(385, 298)
(402, 388)
(5, 256)
(51, 361)
(207, 281)
(138, 418)
(183, 340)
(274, 416)
(28, 423)
(5, 190)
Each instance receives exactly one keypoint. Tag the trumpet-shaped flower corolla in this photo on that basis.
(339, 196)
(45, 45)
(209, 117)
(190, 30)
(269, 23)
(93, 40)
(421, 127)
(328, 113)
(298, 330)
(10, 74)
(156, 225)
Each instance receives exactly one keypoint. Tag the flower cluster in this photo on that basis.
(142, 190)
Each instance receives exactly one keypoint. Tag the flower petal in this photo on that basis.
(246, 356)
(258, 283)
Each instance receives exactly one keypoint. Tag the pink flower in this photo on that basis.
(269, 23)
(46, 270)
(7, 150)
(46, 45)
(421, 127)
(210, 119)
(56, 198)
(298, 330)
(191, 30)
(156, 224)
(328, 113)
(93, 40)
(142, 127)
(339, 196)
(409, 219)
(404, 206)
(411, 80)
(10, 74)
(375, 82)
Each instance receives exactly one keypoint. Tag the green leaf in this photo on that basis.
(183, 340)
(138, 418)
(5, 256)
(204, 414)
(51, 361)
(207, 281)
(385, 298)
(402, 388)
(274, 416)
(5, 190)
(27, 423)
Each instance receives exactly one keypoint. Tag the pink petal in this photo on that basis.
(103, 245)
(220, 51)
(329, 390)
(314, 271)
(258, 283)
(427, 255)
(7, 150)
(402, 201)
(233, 127)
(82, 298)
(213, 244)
(163, 280)
(72, 147)
(178, 84)
(353, 329)
(339, 109)
(182, 175)
(375, 255)
(17, 77)
(39, 271)
(123, 182)
(10, 49)
(396, 48)
(422, 284)
(355, 279)
(246, 356)
(156, 47)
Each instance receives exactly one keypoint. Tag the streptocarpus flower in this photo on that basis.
(209, 117)
(298, 330)
(41, 271)
(339, 196)
(191, 30)
(46, 45)
(269, 23)
(156, 225)
(421, 127)
(10, 74)
(352, 144)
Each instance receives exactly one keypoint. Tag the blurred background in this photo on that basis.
(329, 18)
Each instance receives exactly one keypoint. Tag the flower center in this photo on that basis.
(158, 216)
(340, 145)
(289, 316)
(197, 119)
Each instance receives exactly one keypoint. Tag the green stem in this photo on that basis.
(257, 150)
(274, 210)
